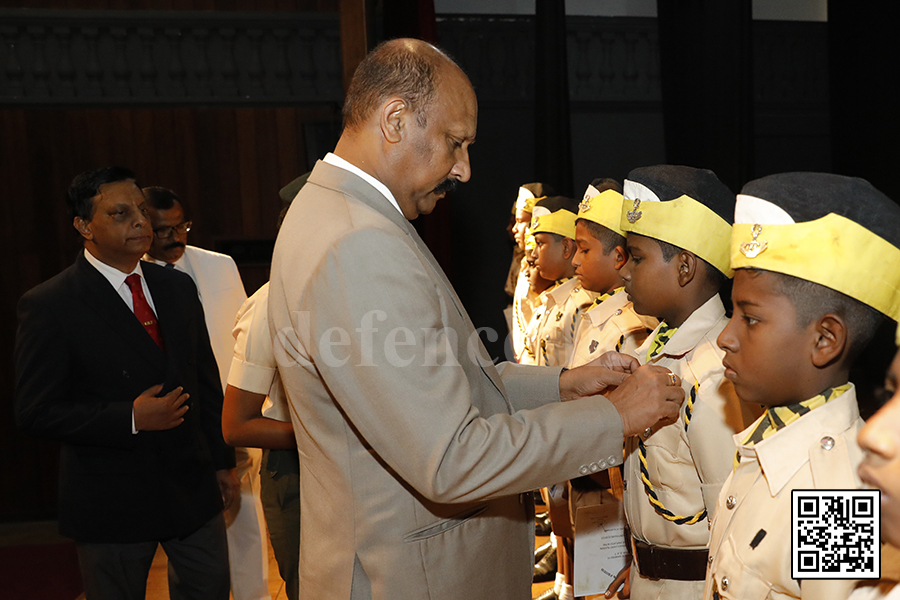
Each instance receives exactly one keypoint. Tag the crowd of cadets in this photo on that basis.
(642, 269)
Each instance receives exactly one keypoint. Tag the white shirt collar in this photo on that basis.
(115, 277)
(337, 161)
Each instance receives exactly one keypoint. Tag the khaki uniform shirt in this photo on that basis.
(687, 468)
(603, 326)
(562, 311)
(817, 451)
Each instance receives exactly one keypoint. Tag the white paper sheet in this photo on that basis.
(601, 548)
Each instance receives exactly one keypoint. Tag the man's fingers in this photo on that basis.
(153, 391)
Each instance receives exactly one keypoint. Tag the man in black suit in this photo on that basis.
(113, 360)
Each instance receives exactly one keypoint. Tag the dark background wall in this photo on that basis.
(226, 107)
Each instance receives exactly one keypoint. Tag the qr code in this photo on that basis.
(835, 534)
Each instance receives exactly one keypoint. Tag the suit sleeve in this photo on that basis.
(210, 389)
(47, 404)
(383, 348)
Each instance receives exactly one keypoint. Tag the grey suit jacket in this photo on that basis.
(414, 447)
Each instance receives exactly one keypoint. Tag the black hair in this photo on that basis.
(403, 68)
(81, 192)
(812, 301)
(161, 198)
(606, 236)
(714, 276)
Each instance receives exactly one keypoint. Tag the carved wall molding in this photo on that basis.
(150, 57)
(98, 58)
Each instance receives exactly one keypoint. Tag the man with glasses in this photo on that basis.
(222, 293)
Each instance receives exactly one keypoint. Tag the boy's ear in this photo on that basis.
(620, 257)
(687, 265)
(394, 113)
(831, 340)
(569, 248)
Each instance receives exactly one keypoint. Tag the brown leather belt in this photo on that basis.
(656, 562)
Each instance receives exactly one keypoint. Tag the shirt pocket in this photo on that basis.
(733, 579)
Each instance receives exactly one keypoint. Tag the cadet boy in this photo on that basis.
(816, 258)
(524, 300)
(536, 286)
(610, 323)
(553, 227)
(678, 225)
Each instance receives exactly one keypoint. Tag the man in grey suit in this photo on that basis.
(416, 450)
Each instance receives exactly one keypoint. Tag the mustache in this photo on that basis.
(174, 245)
(446, 186)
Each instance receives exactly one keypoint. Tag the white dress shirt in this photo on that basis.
(337, 161)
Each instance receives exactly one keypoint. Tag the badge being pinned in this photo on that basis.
(634, 214)
(754, 247)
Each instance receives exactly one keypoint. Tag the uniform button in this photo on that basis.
(724, 584)
(710, 559)
(583, 470)
(647, 432)
(730, 502)
(624, 484)
(594, 467)
(611, 460)
(618, 312)
(827, 442)
(602, 464)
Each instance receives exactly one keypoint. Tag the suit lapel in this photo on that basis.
(347, 183)
(100, 296)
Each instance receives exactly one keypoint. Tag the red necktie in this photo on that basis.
(142, 309)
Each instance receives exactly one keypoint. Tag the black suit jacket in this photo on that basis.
(81, 359)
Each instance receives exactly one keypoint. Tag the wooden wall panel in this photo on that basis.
(228, 164)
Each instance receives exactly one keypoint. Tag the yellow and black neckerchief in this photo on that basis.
(663, 335)
(778, 417)
(645, 475)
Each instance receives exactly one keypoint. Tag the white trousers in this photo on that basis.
(246, 530)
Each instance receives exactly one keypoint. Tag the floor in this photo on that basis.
(44, 532)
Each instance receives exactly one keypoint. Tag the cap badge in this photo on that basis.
(754, 247)
(635, 214)
(535, 223)
(585, 205)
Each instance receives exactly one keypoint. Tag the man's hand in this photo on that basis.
(152, 413)
(621, 581)
(229, 485)
(650, 397)
(609, 370)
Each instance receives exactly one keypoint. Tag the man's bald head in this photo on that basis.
(405, 68)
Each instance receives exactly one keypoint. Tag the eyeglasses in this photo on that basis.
(169, 231)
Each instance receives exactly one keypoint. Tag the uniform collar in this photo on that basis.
(785, 452)
(560, 293)
(601, 313)
(691, 331)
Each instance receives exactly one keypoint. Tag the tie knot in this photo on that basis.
(133, 281)
(170, 265)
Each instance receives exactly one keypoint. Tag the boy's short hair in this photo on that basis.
(606, 236)
(714, 276)
(813, 301)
